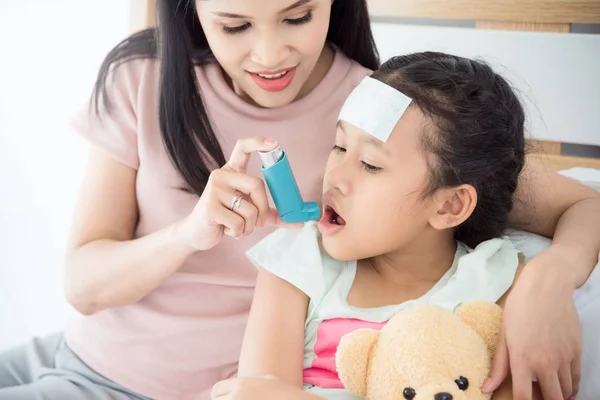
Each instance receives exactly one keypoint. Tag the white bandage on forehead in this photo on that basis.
(375, 108)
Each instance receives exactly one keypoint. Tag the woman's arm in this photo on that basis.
(555, 206)
(505, 391)
(274, 339)
(105, 266)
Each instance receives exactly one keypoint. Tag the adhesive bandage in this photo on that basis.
(375, 108)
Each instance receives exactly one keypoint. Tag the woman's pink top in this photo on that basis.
(186, 335)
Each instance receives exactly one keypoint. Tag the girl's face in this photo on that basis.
(373, 191)
(269, 49)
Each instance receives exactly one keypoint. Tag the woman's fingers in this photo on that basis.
(566, 381)
(222, 389)
(238, 161)
(550, 386)
(521, 380)
(576, 374)
(234, 225)
(243, 207)
(232, 183)
(500, 366)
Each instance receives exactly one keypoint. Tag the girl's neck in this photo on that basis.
(427, 259)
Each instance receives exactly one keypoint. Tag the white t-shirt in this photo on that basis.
(485, 273)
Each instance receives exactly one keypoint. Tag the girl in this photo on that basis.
(164, 294)
(410, 209)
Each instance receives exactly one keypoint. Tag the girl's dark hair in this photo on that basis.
(180, 44)
(475, 135)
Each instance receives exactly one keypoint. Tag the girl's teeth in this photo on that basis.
(275, 76)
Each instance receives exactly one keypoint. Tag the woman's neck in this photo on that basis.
(424, 261)
(319, 71)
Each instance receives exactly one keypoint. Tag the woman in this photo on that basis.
(163, 287)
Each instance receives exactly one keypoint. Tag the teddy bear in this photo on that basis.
(425, 352)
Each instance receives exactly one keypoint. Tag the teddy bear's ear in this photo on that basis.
(353, 357)
(485, 318)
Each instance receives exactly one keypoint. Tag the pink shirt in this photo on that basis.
(187, 334)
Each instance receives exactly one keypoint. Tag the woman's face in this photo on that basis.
(268, 48)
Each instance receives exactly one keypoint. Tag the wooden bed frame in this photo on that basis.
(522, 15)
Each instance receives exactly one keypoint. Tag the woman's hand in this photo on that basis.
(258, 388)
(541, 338)
(233, 203)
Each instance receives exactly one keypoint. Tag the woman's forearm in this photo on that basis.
(558, 207)
(106, 273)
(578, 235)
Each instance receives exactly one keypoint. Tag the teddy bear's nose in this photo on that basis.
(443, 396)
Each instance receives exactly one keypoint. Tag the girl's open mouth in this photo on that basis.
(331, 222)
(333, 217)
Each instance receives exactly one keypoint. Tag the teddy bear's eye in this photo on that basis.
(409, 393)
(462, 383)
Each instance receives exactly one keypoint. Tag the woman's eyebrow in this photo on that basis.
(297, 4)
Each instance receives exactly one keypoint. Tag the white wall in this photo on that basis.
(50, 52)
(556, 74)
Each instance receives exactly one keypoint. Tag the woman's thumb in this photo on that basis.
(500, 367)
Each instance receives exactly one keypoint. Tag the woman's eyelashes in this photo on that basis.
(306, 18)
(232, 30)
(366, 166)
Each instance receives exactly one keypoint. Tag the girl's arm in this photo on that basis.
(274, 338)
(555, 206)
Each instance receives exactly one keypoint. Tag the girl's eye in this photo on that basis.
(300, 21)
(232, 30)
(338, 149)
(370, 168)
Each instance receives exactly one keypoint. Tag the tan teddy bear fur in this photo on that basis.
(424, 352)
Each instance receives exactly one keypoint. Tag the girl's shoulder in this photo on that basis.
(296, 255)
(483, 273)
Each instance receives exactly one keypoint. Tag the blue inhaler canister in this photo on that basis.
(284, 189)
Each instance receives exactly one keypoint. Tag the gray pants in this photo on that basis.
(47, 369)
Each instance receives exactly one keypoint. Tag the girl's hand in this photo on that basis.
(259, 388)
(541, 340)
(233, 203)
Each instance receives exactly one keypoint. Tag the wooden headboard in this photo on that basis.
(523, 15)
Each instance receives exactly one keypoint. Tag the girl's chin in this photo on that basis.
(338, 249)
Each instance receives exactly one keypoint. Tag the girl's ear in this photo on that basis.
(453, 206)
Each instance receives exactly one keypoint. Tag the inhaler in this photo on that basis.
(284, 189)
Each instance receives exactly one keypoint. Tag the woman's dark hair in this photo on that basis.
(475, 135)
(180, 44)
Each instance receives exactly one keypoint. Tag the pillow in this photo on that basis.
(587, 176)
